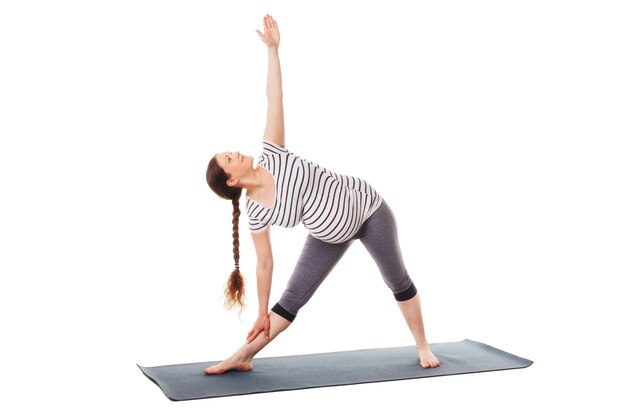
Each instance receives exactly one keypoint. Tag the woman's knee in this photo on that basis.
(407, 293)
(290, 316)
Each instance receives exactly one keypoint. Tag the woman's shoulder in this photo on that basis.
(271, 147)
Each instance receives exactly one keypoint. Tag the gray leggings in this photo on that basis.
(379, 236)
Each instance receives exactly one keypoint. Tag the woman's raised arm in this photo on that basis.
(275, 125)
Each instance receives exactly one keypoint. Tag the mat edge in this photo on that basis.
(161, 388)
(530, 362)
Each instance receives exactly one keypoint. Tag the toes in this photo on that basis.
(430, 363)
(213, 371)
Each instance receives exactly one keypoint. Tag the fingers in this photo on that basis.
(252, 334)
(269, 22)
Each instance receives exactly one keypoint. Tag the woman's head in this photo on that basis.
(218, 179)
(236, 170)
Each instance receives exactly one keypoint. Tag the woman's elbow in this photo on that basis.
(265, 264)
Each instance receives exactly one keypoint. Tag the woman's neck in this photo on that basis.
(254, 181)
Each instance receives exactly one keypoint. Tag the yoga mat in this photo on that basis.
(189, 382)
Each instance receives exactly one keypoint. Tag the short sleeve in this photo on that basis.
(257, 216)
(256, 226)
(271, 148)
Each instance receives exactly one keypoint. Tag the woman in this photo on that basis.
(285, 190)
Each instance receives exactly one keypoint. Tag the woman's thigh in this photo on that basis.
(316, 261)
(380, 238)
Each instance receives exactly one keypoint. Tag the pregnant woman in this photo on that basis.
(285, 190)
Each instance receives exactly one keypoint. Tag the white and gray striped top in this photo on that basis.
(331, 206)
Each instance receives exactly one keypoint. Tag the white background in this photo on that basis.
(495, 130)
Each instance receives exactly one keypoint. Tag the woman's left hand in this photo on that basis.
(261, 325)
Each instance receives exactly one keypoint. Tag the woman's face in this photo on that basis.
(234, 164)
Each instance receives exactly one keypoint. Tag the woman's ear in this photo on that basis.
(232, 182)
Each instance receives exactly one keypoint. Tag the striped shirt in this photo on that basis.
(331, 206)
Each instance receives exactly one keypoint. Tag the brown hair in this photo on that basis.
(216, 177)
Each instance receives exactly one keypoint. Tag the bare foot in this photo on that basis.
(427, 359)
(230, 364)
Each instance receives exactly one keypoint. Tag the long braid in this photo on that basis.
(235, 289)
(236, 214)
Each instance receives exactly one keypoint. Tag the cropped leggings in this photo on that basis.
(379, 236)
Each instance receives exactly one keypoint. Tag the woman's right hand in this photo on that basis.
(261, 325)
(271, 37)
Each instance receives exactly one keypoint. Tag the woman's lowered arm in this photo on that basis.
(264, 269)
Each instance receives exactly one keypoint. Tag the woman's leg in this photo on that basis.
(412, 312)
(242, 359)
(380, 237)
(315, 263)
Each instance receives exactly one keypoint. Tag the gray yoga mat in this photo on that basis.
(189, 382)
